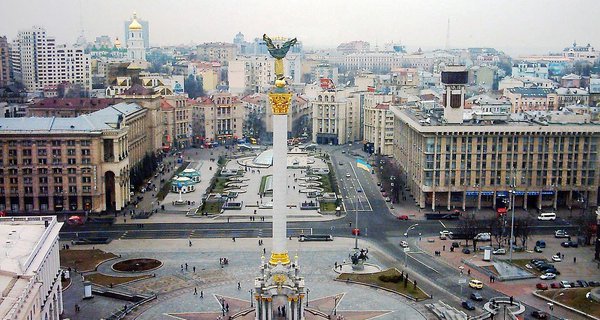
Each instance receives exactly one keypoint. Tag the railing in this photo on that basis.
(18, 305)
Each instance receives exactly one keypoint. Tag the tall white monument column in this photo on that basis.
(279, 282)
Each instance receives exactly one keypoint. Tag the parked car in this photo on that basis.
(484, 236)
(540, 243)
(378, 184)
(384, 194)
(404, 244)
(594, 283)
(548, 276)
(556, 258)
(561, 234)
(466, 251)
(552, 270)
(565, 284)
(476, 296)
(455, 244)
(348, 175)
(356, 232)
(555, 285)
(475, 284)
(468, 305)
(541, 286)
(499, 251)
(583, 283)
(571, 244)
(537, 249)
(539, 315)
(387, 199)
(403, 217)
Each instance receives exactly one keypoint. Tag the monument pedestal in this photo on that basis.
(279, 291)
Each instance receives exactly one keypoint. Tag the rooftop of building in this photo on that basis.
(531, 92)
(573, 91)
(564, 120)
(74, 103)
(104, 119)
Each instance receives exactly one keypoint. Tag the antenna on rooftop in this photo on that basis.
(448, 35)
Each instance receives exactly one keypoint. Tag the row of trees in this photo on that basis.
(143, 170)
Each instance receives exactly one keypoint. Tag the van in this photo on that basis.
(315, 237)
(540, 243)
(547, 216)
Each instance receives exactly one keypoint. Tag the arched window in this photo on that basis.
(320, 98)
(332, 99)
(326, 99)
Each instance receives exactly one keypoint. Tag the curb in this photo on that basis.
(589, 316)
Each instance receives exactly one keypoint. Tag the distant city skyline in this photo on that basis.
(516, 27)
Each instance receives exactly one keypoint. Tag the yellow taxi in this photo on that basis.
(475, 284)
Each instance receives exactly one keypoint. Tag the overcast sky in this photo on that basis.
(515, 26)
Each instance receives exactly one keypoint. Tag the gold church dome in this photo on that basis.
(135, 25)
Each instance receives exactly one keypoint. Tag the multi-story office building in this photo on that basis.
(70, 164)
(41, 62)
(30, 271)
(379, 128)
(224, 116)
(531, 99)
(217, 51)
(569, 96)
(329, 114)
(4, 62)
(177, 118)
(255, 73)
(545, 161)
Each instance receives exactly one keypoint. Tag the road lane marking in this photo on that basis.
(443, 225)
(425, 265)
(360, 185)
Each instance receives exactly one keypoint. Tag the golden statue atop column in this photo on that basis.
(279, 97)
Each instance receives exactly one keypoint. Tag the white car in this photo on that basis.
(404, 244)
(484, 236)
(348, 175)
(499, 251)
(445, 233)
(556, 258)
(548, 276)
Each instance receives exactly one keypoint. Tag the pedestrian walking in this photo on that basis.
(195, 291)
(264, 250)
(194, 268)
(190, 243)
(239, 286)
(574, 259)
(181, 267)
(201, 294)
(186, 266)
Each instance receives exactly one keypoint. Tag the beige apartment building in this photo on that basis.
(217, 51)
(177, 121)
(473, 165)
(223, 115)
(379, 128)
(531, 99)
(329, 115)
(68, 164)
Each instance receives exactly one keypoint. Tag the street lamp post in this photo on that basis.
(412, 227)
(512, 218)
(356, 223)
(307, 292)
(251, 298)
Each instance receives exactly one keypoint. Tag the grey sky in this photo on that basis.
(516, 26)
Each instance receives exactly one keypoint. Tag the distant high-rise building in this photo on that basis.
(4, 59)
(145, 30)
(135, 41)
(39, 62)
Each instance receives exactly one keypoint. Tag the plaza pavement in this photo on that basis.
(585, 268)
(175, 287)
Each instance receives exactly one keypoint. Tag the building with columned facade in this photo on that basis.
(30, 274)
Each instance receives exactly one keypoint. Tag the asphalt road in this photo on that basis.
(362, 200)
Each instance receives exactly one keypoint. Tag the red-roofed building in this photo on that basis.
(68, 107)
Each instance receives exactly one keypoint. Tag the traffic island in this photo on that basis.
(390, 280)
(105, 280)
(137, 265)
